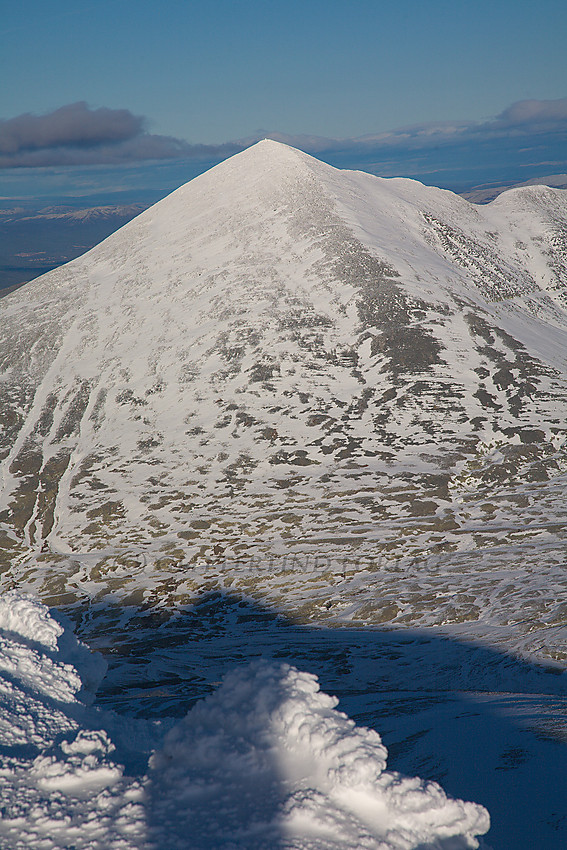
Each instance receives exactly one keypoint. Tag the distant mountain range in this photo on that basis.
(36, 239)
(286, 377)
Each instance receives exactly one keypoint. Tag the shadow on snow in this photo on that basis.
(486, 725)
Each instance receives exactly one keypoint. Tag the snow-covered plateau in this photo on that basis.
(290, 422)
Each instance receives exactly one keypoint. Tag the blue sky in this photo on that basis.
(162, 78)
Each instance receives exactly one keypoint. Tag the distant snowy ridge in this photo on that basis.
(264, 762)
(487, 192)
(72, 214)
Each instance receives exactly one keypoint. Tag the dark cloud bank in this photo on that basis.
(527, 138)
(78, 135)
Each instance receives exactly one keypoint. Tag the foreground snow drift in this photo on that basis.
(268, 756)
(265, 762)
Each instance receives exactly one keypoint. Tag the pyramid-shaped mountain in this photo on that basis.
(283, 360)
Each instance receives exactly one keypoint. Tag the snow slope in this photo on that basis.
(286, 369)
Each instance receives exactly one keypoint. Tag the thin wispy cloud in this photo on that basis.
(527, 138)
(526, 117)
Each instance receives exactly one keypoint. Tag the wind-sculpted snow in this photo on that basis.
(57, 779)
(265, 762)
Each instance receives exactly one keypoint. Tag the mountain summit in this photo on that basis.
(283, 360)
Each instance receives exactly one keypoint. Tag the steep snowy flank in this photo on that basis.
(280, 364)
(265, 762)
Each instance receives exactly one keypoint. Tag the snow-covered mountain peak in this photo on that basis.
(285, 359)
(263, 166)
